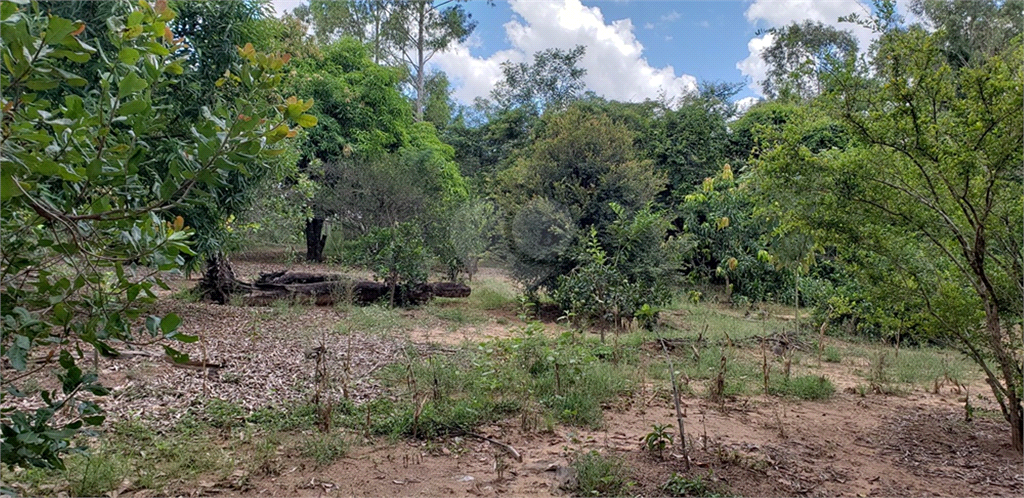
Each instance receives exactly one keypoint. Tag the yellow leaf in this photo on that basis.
(179, 223)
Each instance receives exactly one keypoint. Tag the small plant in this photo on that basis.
(600, 475)
(678, 485)
(658, 439)
(324, 449)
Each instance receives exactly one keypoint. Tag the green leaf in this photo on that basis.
(170, 323)
(72, 55)
(306, 120)
(130, 84)
(133, 107)
(57, 30)
(176, 355)
(128, 55)
(9, 188)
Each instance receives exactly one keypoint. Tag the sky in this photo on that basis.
(636, 49)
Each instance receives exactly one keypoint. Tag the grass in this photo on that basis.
(807, 387)
(324, 449)
(601, 475)
(377, 320)
(678, 485)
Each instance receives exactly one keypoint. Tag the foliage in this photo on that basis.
(809, 387)
(569, 179)
(678, 485)
(930, 184)
(551, 83)
(633, 277)
(473, 228)
(692, 139)
(799, 53)
(397, 256)
(86, 200)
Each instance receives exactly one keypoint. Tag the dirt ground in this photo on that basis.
(914, 444)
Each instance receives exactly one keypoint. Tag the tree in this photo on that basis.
(86, 201)
(931, 183)
(422, 28)
(551, 82)
(567, 179)
(693, 139)
(359, 111)
(363, 20)
(971, 31)
(800, 53)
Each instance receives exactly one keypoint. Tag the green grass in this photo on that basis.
(678, 485)
(325, 449)
(377, 320)
(922, 366)
(808, 387)
(490, 294)
(601, 475)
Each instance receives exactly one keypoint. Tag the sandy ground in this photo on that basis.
(915, 444)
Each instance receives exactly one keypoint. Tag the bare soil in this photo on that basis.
(914, 444)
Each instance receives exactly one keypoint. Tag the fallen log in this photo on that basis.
(329, 289)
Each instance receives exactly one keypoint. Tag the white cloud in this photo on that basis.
(744, 104)
(671, 16)
(705, 24)
(668, 38)
(648, 26)
(779, 13)
(282, 6)
(614, 59)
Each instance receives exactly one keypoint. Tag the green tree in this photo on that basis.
(969, 31)
(800, 53)
(87, 225)
(931, 183)
(567, 179)
(551, 82)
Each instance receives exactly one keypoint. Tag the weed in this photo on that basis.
(809, 387)
(832, 355)
(97, 474)
(601, 475)
(222, 414)
(324, 449)
(188, 295)
(678, 485)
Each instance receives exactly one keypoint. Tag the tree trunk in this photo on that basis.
(315, 240)
(219, 279)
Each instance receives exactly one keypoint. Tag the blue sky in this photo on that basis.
(636, 49)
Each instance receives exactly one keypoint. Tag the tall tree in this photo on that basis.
(422, 28)
(551, 82)
(972, 30)
(800, 53)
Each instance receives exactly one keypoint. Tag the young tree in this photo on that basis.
(86, 201)
(933, 171)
